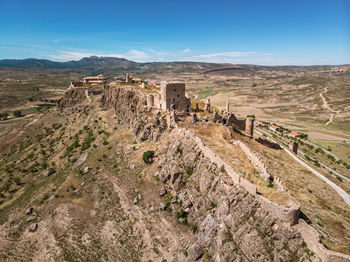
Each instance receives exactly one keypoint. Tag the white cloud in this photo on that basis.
(132, 54)
(136, 55)
(249, 57)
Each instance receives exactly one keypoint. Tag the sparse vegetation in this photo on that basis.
(148, 156)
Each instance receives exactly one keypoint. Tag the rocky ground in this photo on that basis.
(75, 187)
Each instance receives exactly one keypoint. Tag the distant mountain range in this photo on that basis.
(108, 64)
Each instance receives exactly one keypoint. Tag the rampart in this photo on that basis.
(130, 107)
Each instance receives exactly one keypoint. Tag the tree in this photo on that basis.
(17, 113)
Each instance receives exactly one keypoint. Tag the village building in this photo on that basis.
(95, 81)
(275, 128)
(294, 134)
(132, 80)
(99, 82)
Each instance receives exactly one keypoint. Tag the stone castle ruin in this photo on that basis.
(242, 212)
(171, 98)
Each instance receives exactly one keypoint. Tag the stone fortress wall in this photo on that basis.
(131, 107)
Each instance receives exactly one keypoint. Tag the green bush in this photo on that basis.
(5, 186)
(17, 113)
(147, 155)
(189, 171)
(222, 169)
(17, 180)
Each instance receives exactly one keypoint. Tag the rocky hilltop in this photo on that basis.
(129, 183)
(228, 221)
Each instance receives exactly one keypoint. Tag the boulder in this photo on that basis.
(31, 218)
(162, 206)
(77, 191)
(162, 191)
(131, 165)
(29, 211)
(195, 252)
(33, 227)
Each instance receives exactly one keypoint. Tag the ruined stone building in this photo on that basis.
(132, 80)
(171, 97)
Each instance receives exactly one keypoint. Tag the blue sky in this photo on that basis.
(266, 32)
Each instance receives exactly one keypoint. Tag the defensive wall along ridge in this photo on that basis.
(289, 214)
(146, 123)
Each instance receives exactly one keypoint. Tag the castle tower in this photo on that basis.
(249, 126)
(207, 106)
(173, 96)
(293, 146)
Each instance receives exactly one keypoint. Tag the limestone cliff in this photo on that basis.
(131, 109)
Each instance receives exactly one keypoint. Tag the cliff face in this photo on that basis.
(131, 109)
(72, 97)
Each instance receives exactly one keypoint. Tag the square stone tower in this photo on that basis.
(173, 96)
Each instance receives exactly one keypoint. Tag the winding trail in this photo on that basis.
(87, 95)
(326, 105)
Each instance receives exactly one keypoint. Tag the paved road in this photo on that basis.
(345, 196)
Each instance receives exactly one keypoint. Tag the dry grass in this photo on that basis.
(216, 137)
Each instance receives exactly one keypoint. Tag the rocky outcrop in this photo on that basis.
(131, 109)
(230, 220)
(72, 97)
(230, 223)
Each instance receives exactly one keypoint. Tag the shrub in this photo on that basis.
(270, 185)
(30, 155)
(222, 169)
(180, 214)
(189, 171)
(87, 142)
(5, 186)
(43, 164)
(17, 180)
(17, 113)
(147, 156)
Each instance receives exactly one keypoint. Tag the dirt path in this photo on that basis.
(325, 105)
(87, 95)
